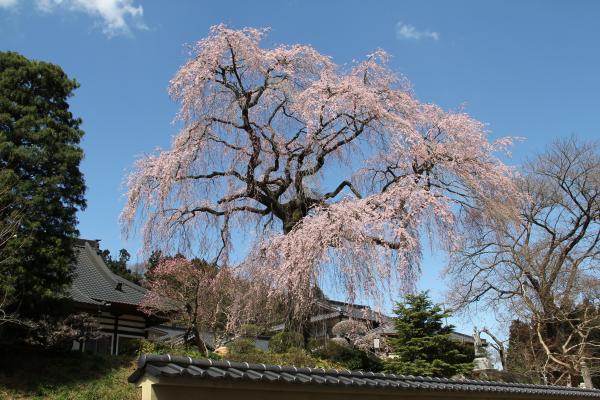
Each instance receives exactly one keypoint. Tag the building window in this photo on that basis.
(101, 345)
(128, 344)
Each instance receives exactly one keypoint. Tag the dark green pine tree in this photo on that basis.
(40, 180)
(423, 345)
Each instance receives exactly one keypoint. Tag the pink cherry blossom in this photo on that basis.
(322, 173)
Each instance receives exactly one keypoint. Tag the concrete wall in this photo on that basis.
(182, 392)
(191, 389)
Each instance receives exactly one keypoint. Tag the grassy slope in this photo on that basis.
(35, 374)
(27, 373)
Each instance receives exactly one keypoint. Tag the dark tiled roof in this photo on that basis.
(179, 366)
(354, 311)
(94, 283)
(330, 309)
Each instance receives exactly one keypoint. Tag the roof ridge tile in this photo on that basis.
(168, 365)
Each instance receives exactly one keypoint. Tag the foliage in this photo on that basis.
(349, 358)
(293, 356)
(324, 354)
(340, 341)
(32, 373)
(39, 162)
(251, 330)
(423, 345)
(242, 346)
(153, 261)
(283, 341)
(59, 333)
(263, 131)
(154, 347)
(315, 344)
(119, 265)
(524, 354)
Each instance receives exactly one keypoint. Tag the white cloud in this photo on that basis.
(116, 17)
(407, 31)
(8, 3)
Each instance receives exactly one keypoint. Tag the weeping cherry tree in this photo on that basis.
(314, 172)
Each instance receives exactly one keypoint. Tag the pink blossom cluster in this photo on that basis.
(267, 130)
(188, 291)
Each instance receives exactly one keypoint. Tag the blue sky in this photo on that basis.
(528, 68)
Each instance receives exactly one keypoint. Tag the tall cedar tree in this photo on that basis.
(39, 162)
(423, 345)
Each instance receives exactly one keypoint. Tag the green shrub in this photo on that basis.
(283, 341)
(130, 347)
(347, 357)
(315, 344)
(58, 333)
(294, 356)
(243, 346)
(151, 347)
(324, 354)
(250, 330)
(299, 358)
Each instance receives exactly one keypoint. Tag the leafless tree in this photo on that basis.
(9, 222)
(544, 267)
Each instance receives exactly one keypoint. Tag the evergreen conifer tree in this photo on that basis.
(40, 181)
(119, 265)
(423, 345)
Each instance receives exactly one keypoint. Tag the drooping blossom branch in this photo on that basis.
(202, 297)
(195, 294)
(337, 172)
